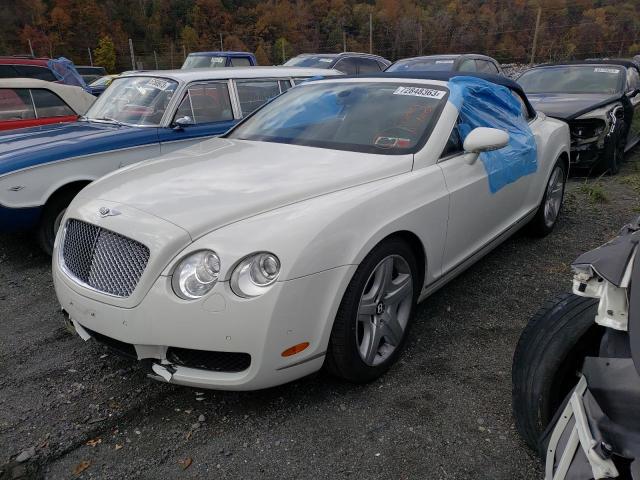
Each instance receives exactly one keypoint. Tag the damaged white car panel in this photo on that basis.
(596, 434)
(235, 254)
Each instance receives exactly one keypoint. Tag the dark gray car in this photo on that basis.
(350, 63)
(468, 62)
(600, 99)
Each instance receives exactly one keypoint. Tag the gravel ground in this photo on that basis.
(443, 412)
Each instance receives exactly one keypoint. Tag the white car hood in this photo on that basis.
(221, 181)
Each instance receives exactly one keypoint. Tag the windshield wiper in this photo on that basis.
(109, 119)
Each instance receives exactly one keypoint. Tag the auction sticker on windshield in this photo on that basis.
(444, 61)
(420, 92)
(158, 83)
(606, 70)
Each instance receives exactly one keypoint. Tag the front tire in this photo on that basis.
(550, 207)
(613, 154)
(375, 314)
(547, 360)
(52, 217)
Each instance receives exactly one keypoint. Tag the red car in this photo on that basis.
(61, 70)
(26, 102)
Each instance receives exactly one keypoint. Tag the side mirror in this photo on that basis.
(182, 122)
(484, 139)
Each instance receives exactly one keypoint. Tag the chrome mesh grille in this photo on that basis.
(102, 259)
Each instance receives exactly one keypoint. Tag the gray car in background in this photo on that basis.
(468, 62)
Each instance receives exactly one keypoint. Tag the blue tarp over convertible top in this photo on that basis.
(485, 104)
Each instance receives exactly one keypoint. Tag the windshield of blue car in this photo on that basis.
(373, 117)
(312, 61)
(138, 101)
(204, 61)
(573, 79)
(422, 64)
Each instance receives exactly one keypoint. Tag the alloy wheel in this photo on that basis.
(553, 198)
(384, 310)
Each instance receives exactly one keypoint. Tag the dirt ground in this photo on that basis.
(443, 412)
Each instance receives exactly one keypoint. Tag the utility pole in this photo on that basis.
(344, 40)
(90, 57)
(30, 47)
(184, 52)
(283, 56)
(535, 35)
(370, 32)
(155, 57)
(420, 39)
(171, 55)
(133, 57)
(221, 44)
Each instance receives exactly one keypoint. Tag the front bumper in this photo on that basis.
(291, 312)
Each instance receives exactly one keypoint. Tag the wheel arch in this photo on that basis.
(72, 186)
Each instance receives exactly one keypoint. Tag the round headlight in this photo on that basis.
(196, 274)
(255, 274)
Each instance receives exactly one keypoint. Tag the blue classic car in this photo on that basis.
(140, 116)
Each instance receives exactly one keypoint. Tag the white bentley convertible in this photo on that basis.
(307, 234)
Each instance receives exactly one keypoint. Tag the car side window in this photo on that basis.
(467, 65)
(33, 71)
(284, 85)
(347, 66)
(454, 144)
(7, 71)
(240, 62)
(15, 104)
(367, 65)
(485, 66)
(633, 79)
(523, 106)
(206, 103)
(255, 93)
(48, 104)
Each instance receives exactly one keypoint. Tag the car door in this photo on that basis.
(476, 214)
(208, 111)
(633, 84)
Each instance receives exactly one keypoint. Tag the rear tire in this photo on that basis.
(548, 358)
(349, 356)
(51, 217)
(551, 205)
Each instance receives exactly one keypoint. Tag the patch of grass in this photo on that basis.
(594, 192)
(632, 180)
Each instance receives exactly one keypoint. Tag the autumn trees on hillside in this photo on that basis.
(271, 28)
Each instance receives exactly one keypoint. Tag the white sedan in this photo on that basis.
(307, 234)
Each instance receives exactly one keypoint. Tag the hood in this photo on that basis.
(221, 181)
(568, 106)
(33, 146)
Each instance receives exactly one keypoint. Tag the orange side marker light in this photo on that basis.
(295, 349)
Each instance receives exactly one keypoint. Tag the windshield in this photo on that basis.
(422, 64)
(134, 101)
(317, 61)
(102, 82)
(573, 79)
(373, 117)
(204, 61)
